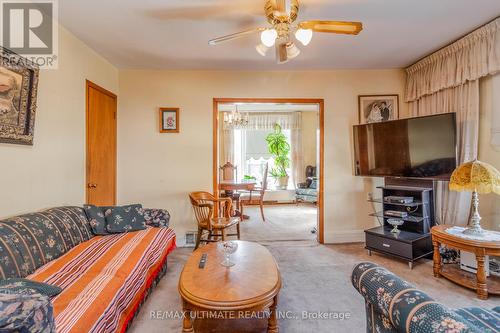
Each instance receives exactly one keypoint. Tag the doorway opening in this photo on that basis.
(291, 206)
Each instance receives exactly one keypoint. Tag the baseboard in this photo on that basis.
(348, 236)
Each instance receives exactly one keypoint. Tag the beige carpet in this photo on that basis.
(315, 278)
(283, 223)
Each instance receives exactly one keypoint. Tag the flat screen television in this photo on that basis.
(423, 147)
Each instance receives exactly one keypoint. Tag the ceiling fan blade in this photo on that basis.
(336, 27)
(240, 34)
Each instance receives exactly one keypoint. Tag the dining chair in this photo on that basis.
(256, 194)
(204, 204)
(230, 172)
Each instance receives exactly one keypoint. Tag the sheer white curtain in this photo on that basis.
(448, 81)
(227, 141)
(297, 154)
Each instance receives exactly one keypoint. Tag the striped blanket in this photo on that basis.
(105, 279)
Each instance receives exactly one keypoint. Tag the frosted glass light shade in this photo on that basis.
(268, 37)
(292, 50)
(262, 49)
(304, 36)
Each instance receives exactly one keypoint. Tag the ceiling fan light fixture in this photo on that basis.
(292, 50)
(268, 37)
(262, 49)
(304, 36)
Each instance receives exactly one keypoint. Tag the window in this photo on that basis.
(251, 154)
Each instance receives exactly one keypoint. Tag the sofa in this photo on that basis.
(104, 279)
(393, 305)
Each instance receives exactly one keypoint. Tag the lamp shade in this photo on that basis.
(475, 176)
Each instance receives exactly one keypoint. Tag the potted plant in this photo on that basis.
(279, 148)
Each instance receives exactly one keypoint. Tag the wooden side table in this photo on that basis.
(452, 272)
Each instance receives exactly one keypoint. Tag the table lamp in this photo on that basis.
(476, 177)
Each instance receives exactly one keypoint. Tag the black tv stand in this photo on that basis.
(414, 240)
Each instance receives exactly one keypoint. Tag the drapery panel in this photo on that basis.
(448, 81)
(470, 58)
(495, 114)
(453, 207)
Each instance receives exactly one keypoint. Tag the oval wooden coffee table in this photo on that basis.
(250, 286)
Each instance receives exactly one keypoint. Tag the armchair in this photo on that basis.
(204, 205)
(308, 190)
(393, 305)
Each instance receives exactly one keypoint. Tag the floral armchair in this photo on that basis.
(393, 305)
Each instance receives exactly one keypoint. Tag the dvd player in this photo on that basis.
(396, 213)
(398, 199)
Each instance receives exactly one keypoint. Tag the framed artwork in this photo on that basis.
(378, 108)
(18, 93)
(169, 120)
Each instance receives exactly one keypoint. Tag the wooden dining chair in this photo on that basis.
(204, 204)
(256, 194)
(230, 172)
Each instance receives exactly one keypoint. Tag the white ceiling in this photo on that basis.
(173, 34)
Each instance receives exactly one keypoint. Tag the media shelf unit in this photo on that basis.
(414, 239)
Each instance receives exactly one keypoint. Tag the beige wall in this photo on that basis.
(160, 169)
(310, 123)
(490, 102)
(51, 172)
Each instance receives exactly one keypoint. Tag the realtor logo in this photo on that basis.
(29, 28)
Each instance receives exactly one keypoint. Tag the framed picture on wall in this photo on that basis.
(169, 120)
(378, 108)
(18, 93)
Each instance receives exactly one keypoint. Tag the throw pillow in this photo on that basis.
(28, 287)
(96, 219)
(26, 313)
(125, 218)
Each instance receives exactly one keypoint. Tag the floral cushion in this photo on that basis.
(156, 217)
(125, 218)
(96, 219)
(26, 313)
(28, 287)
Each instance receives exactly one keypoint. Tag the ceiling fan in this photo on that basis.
(282, 14)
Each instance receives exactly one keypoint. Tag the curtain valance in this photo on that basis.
(470, 58)
(266, 121)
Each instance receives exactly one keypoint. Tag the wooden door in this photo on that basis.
(101, 146)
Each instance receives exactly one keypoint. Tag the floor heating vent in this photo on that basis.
(190, 240)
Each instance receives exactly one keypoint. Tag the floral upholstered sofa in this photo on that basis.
(104, 279)
(393, 305)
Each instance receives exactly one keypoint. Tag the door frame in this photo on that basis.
(321, 105)
(89, 84)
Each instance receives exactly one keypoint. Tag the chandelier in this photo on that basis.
(235, 119)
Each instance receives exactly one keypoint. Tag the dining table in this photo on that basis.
(230, 186)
